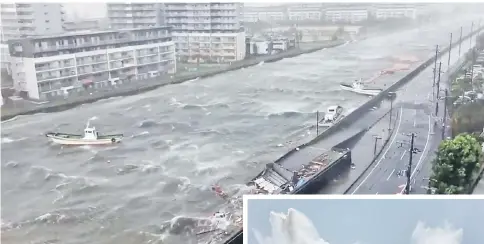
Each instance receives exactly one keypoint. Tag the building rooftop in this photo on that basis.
(91, 32)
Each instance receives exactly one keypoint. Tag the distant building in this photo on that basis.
(395, 11)
(135, 15)
(5, 58)
(207, 32)
(305, 12)
(50, 66)
(272, 14)
(29, 19)
(346, 15)
(87, 24)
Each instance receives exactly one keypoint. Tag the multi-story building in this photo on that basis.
(85, 24)
(49, 66)
(346, 14)
(29, 19)
(305, 12)
(207, 32)
(272, 14)
(134, 15)
(4, 58)
(384, 12)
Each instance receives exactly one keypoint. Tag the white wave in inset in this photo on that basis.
(295, 228)
(438, 235)
(291, 228)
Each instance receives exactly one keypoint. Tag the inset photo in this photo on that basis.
(375, 220)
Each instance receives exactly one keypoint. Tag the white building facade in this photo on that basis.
(207, 32)
(5, 58)
(255, 14)
(134, 15)
(305, 12)
(46, 67)
(344, 15)
(29, 19)
(383, 13)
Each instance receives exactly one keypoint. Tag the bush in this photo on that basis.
(456, 164)
(468, 118)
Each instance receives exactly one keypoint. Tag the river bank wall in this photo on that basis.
(57, 106)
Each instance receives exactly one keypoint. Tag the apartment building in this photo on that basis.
(395, 12)
(28, 19)
(273, 14)
(305, 12)
(4, 58)
(135, 15)
(346, 15)
(207, 32)
(85, 25)
(50, 66)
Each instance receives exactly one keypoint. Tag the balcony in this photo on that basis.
(223, 6)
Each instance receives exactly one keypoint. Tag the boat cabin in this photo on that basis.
(90, 133)
(333, 113)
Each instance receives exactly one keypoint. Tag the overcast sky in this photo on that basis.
(373, 221)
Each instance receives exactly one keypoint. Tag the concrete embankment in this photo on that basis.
(158, 82)
(364, 108)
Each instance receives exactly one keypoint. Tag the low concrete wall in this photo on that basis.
(364, 108)
(64, 105)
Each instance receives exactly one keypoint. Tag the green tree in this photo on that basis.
(456, 164)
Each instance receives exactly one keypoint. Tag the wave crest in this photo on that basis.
(296, 228)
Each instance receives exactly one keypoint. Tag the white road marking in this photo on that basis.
(423, 153)
(383, 156)
(390, 175)
(403, 154)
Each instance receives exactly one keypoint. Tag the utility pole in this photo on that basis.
(472, 67)
(390, 122)
(409, 169)
(450, 51)
(460, 40)
(435, 63)
(470, 38)
(317, 123)
(438, 89)
(445, 115)
(376, 142)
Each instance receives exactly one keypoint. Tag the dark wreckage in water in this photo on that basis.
(225, 226)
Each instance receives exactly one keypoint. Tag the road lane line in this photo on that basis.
(403, 154)
(390, 175)
(423, 153)
(382, 156)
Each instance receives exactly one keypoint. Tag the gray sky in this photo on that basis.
(373, 221)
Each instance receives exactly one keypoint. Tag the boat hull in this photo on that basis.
(68, 139)
(370, 92)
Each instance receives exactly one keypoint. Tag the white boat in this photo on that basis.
(332, 116)
(359, 87)
(90, 137)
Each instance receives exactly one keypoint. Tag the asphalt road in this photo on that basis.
(417, 115)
